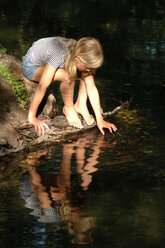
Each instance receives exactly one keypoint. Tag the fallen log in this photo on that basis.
(59, 129)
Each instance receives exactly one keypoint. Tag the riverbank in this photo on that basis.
(16, 91)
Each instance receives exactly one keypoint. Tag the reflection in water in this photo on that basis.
(60, 198)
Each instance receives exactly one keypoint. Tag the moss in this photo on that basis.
(2, 49)
(16, 84)
(8, 185)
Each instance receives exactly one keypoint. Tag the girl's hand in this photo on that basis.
(39, 126)
(104, 124)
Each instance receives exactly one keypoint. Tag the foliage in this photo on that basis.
(17, 86)
(138, 126)
(131, 117)
(2, 49)
(8, 185)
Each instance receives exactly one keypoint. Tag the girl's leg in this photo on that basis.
(67, 91)
(38, 73)
(81, 103)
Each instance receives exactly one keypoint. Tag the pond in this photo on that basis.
(93, 190)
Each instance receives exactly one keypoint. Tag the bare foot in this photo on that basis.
(72, 117)
(83, 110)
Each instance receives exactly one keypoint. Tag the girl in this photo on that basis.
(58, 59)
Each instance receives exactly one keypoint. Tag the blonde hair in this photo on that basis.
(90, 52)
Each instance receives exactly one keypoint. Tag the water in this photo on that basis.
(99, 191)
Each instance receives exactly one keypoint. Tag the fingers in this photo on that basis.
(40, 128)
(100, 127)
(102, 131)
(36, 128)
(111, 127)
(46, 126)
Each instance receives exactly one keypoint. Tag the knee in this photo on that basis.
(60, 75)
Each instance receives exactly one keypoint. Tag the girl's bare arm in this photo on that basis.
(94, 98)
(45, 81)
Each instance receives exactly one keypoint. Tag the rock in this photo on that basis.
(50, 108)
(10, 111)
(9, 136)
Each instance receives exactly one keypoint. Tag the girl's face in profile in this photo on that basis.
(81, 66)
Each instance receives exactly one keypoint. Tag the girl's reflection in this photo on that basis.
(52, 197)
